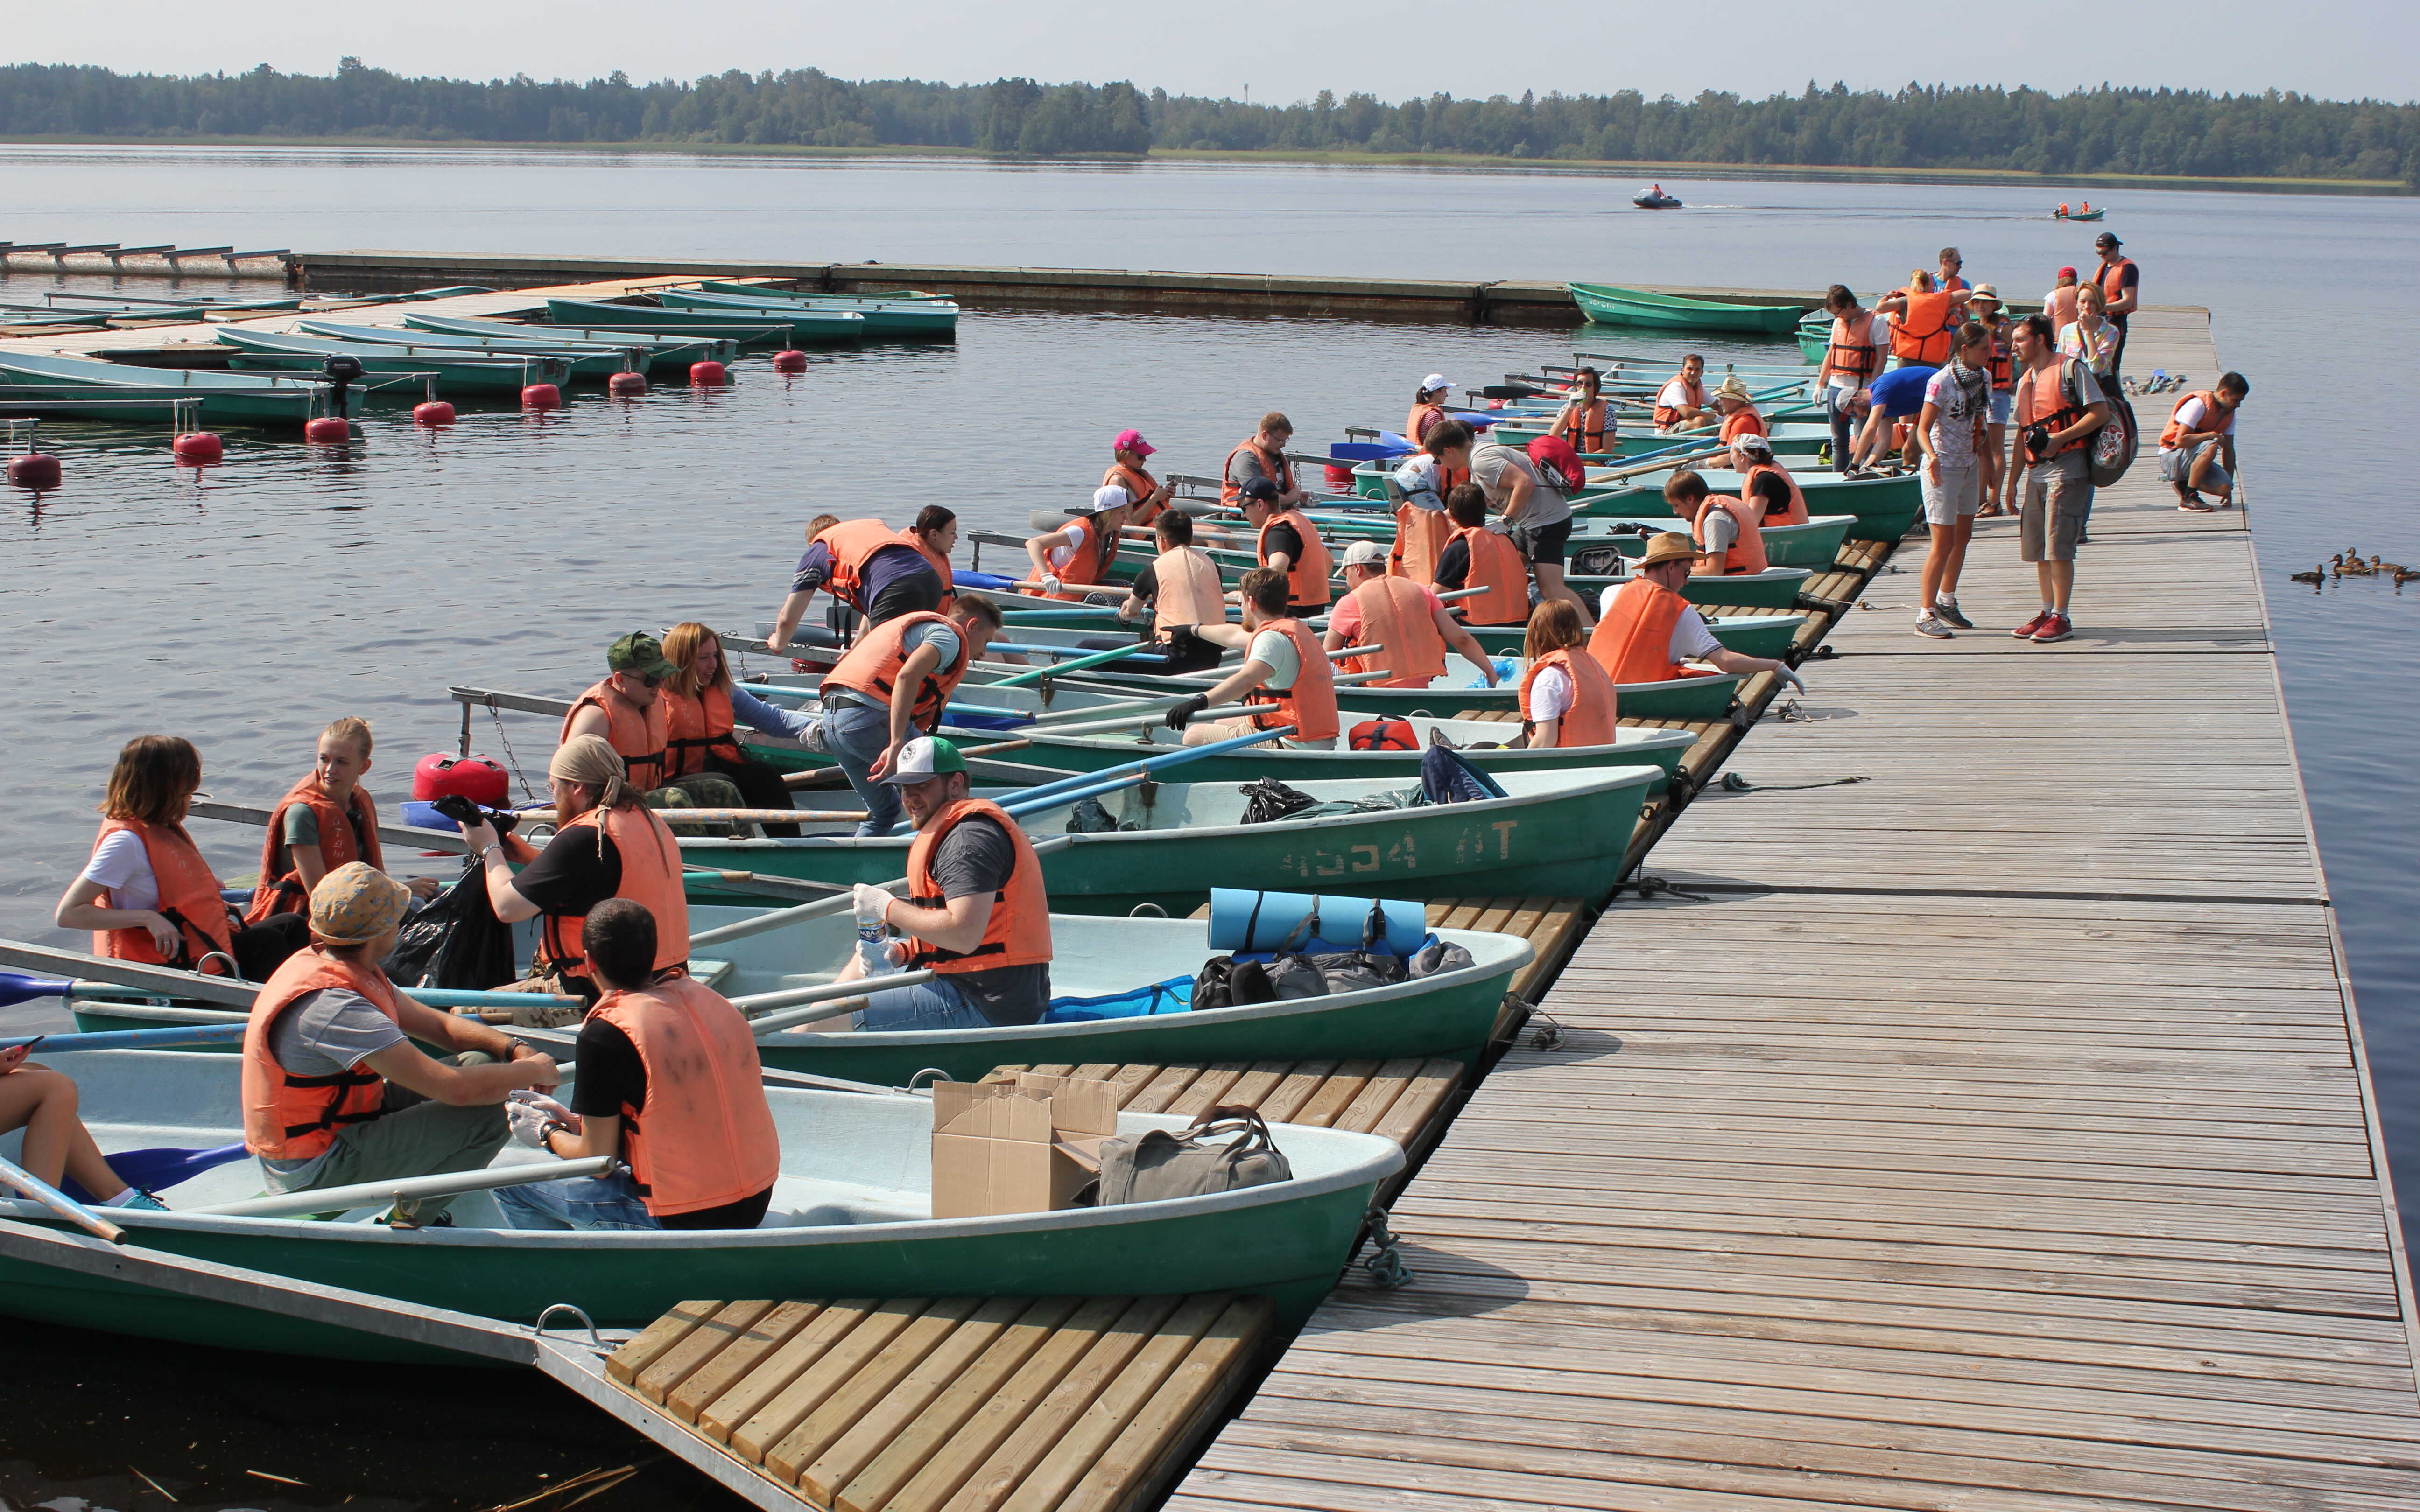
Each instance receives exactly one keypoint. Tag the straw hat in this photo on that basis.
(1733, 387)
(1669, 546)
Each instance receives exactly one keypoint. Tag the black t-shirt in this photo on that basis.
(1146, 582)
(2128, 277)
(1281, 538)
(578, 868)
(977, 855)
(1454, 566)
(612, 1077)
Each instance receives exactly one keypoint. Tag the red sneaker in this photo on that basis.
(2053, 627)
(2025, 631)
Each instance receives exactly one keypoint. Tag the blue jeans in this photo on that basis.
(933, 1004)
(855, 735)
(1835, 408)
(608, 1201)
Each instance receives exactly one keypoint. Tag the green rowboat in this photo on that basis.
(745, 327)
(882, 320)
(247, 398)
(587, 361)
(1789, 438)
(506, 373)
(1813, 544)
(1611, 305)
(661, 351)
(1460, 690)
(1750, 635)
(1885, 507)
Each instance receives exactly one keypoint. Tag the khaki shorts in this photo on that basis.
(2051, 511)
(1236, 729)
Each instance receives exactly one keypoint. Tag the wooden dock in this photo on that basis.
(1989, 1133)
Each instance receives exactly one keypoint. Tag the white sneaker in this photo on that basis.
(1933, 629)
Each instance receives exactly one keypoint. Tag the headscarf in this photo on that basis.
(591, 761)
(356, 904)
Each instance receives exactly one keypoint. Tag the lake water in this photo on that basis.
(248, 606)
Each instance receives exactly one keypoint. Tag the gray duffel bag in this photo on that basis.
(1156, 1164)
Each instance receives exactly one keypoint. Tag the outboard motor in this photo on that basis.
(342, 372)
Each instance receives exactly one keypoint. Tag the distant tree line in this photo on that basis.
(2102, 131)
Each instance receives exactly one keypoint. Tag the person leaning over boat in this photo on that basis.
(1727, 527)
(1896, 396)
(628, 711)
(334, 1090)
(1125, 469)
(147, 895)
(1566, 698)
(1738, 410)
(1753, 455)
(324, 820)
(893, 685)
(1949, 432)
(1422, 528)
(1428, 407)
(2059, 405)
(1404, 617)
(1260, 457)
(935, 536)
(2197, 444)
(606, 844)
(1649, 629)
(42, 1102)
(703, 711)
(1077, 556)
(1289, 544)
(2120, 284)
(976, 912)
(2002, 365)
(1586, 421)
(1479, 556)
(1854, 357)
(1922, 319)
(867, 566)
(1681, 403)
(1538, 513)
(1181, 591)
(670, 1084)
(1284, 668)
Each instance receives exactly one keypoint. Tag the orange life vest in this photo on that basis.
(344, 837)
(1395, 614)
(1017, 933)
(1922, 334)
(706, 1137)
(1747, 554)
(873, 665)
(852, 544)
(2212, 418)
(1497, 566)
(1582, 424)
(1854, 352)
(651, 877)
(1670, 415)
(2003, 359)
(637, 735)
(1590, 720)
(1088, 562)
(1310, 705)
(1743, 423)
(1420, 535)
(1140, 485)
(697, 727)
(295, 1118)
(940, 568)
(2059, 304)
(1634, 642)
(1305, 579)
(2032, 410)
(1796, 514)
(1189, 592)
(1274, 467)
(188, 899)
(1417, 424)
(2112, 279)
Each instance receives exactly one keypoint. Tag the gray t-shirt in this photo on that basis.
(944, 638)
(974, 857)
(323, 1034)
(1246, 465)
(1492, 465)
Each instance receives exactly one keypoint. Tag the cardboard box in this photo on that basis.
(1027, 1146)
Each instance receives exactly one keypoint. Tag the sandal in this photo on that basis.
(1988, 511)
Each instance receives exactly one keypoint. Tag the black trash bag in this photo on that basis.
(1090, 818)
(457, 941)
(1292, 976)
(1269, 799)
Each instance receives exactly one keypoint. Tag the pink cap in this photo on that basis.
(1131, 440)
(2067, 272)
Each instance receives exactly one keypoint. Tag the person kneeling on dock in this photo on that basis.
(1478, 557)
(702, 708)
(1405, 618)
(1649, 629)
(607, 844)
(2197, 444)
(324, 822)
(868, 568)
(669, 1082)
(336, 1092)
(976, 912)
(1181, 591)
(1566, 698)
(629, 712)
(1284, 668)
(1077, 555)
(894, 685)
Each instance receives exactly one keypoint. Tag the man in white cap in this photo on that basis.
(1428, 407)
(1403, 617)
(1077, 555)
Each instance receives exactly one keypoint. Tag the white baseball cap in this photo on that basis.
(923, 759)
(1109, 495)
(1435, 382)
(1365, 554)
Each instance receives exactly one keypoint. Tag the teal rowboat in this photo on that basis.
(1815, 336)
(850, 1218)
(587, 361)
(1460, 690)
(883, 319)
(745, 327)
(1776, 588)
(1790, 438)
(1611, 305)
(661, 350)
(1813, 544)
(1884, 507)
(506, 373)
(127, 404)
(1750, 635)
(233, 398)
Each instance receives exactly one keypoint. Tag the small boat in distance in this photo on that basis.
(2085, 213)
(1655, 199)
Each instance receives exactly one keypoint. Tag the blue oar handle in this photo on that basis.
(138, 1038)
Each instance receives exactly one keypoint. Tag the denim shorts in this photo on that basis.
(2004, 403)
(932, 1004)
(608, 1201)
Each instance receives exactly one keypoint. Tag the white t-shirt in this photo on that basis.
(1692, 640)
(1673, 395)
(124, 866)
(1418, 478)
(1078, 531)
(1878, 333)
(1275, 650)
(1550, 696)
(2190, 415)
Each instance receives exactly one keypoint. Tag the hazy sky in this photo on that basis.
(1284, 49)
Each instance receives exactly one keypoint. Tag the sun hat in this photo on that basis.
(1983, 291)
(1733, 387)
(356, 904)
(1669, 546)
(1131, 440)
(1435, 382)
(923, 759)
(640, 653)
(1365, 554)
(1109, 495)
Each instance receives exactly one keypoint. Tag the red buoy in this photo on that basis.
(789, 362)
(1340, 477)
(197, 448)
(328, 430)
(541, 396)
(627, 384)
(433, 412)
(479, 778)
(35, 470)
(708, 375)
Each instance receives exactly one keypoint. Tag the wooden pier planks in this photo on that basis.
(1993, 1135)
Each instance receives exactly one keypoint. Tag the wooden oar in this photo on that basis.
(47, 1195)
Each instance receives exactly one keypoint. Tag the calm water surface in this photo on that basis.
(247, 606)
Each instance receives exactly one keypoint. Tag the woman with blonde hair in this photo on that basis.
(324, 820)
(702, 708)
(2092, 338)
(1566, 698)
(147, 895)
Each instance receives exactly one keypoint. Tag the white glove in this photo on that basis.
(530, 1120)
(895, 953)
(1049, 583)
(1791, 677)
(872, 902)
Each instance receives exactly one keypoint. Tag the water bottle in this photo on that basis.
(872, 949)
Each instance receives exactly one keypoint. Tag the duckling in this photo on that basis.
(2404, 575)
(2355, 567)
(2387, 567)
(2318, 574)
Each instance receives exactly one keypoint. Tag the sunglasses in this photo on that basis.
(652, 680)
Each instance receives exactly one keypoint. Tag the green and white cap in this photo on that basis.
(923, 759)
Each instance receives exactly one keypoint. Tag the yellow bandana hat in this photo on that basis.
(356, 904)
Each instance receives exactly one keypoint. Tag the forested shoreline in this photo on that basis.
(1971, 128)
